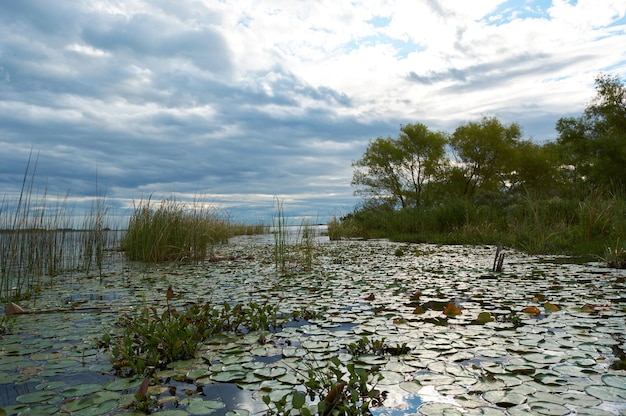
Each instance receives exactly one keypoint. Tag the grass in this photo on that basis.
(42, 237)
(39, 239)
(177, 231)
(294, 246)
(552, 225)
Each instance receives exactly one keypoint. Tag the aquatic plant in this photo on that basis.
(334, 388)
(42, 238)
(153, 338)
(297, 252)
(173, 231)
(615, 256)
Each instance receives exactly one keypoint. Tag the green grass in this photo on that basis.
(294, 246)
(40, 239)
(172, 230)
(584, 226)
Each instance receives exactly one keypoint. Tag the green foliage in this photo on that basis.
(173, 231)
(6, 324)
(561, 197)
(554, 225)
(334, 388)
(154, 338)
(293, 250)
(398, 171)
(594, 144)
(485, 151)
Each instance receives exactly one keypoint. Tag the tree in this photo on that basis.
(594, 144)
(536, 170)
(485, 152)
(377, 172)
(423, 158)
(399, 170)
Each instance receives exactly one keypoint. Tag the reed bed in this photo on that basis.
(172, 230)
(41, 237)
(294, 246)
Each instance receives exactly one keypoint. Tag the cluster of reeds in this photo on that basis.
(174, 231)
(582, 226)
(294, 245)
(41, 238)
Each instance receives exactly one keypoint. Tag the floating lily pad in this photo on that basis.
(270, 372)
(81, 390)
(615, 380)
(122, 384)
(540, 358)
(437, 409)
(503, 398)
(202, 407)
(608, 393)
(37, 397)
(545, 408)
(228, 376)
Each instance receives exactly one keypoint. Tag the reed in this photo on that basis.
(279, 225)
(294, 245)
(173, 231)
(39, 239)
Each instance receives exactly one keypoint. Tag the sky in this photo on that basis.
(241, 103)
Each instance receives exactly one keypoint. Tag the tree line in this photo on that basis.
(487, 157)
(485, 184)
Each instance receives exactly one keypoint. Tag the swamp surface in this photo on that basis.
(540, 337)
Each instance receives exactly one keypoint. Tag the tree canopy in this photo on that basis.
(487, 157)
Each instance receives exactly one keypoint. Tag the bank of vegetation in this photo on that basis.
(42, 237)
(484, 184)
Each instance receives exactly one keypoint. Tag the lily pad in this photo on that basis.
(546, 408)
(204, 407)
(608, 393)
(503, 398)
(41, 396)
(81, 390)
(270, 372)
(615, 380)
(228, 376)
(122, 384)
(438, 409)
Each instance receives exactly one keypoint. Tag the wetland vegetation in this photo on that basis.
(185, 312)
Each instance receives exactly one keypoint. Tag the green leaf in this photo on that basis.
(298, 399)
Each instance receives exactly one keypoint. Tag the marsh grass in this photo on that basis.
(39, 239)
(294, 246)
(577, 226)
(174, 231)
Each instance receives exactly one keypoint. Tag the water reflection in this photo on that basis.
(398, 402)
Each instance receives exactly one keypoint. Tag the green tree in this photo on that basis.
(423, 159)
(536, 170)
(594, 144)
(398, 170)
(376, 173)
(484, 154)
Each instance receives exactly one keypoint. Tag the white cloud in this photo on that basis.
(260, 98)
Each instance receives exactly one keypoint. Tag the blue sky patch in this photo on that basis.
(519, 9)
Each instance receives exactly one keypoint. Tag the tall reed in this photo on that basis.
(173, 231)
(279, 225)
(38, 238)
(294, 246)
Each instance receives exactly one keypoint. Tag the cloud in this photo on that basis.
(245, 101)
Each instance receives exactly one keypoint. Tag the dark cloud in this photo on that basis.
(166, 100)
